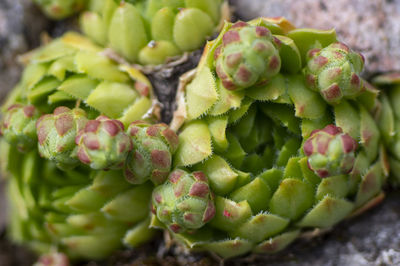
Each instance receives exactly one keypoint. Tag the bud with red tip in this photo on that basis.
(57, 133)
(334, 72)
(151, 157)
(184, 202)
(53, 259)
(330, 152)
(103, 144)
(18, 126)
(247, 55)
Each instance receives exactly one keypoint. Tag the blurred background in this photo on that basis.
(371, 27)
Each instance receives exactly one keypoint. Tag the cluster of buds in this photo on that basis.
(248, 54)
(184, 202)
(18, 126)
(334, 72)
(151, 157)
(330, 152)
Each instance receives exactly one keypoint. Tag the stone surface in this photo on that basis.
(371, 27)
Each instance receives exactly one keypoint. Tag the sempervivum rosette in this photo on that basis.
(18, 126)
(389, 120)
(151, 157)
(64, 126)
(277, 157)
(151, 31)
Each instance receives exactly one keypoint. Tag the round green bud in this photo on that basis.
(184, 202)
(18, 126)
(151, 157)
(334, 72)
(330, 152)
(57, 133)
(248, 54)
(103, 144)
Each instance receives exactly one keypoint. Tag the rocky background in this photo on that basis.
(369, 26)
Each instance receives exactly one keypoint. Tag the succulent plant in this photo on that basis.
(389, 120)
(246, 56)
(149, 32)
(103, 144)
(60, 9)
(18, 126)
(334, 72)
(330, 152)
(185, 201)
(277, 158)
(151, 157)
(57, 202)
(56, 135)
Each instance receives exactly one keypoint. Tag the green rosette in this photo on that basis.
(154, 31)
(277, 158)
(60, 199)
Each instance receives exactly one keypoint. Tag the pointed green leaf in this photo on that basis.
(270, 90)
(230, 215)
(327, 213)
(302, 97)
(201, 93)
(194, 144)
(79, 86)
(260, 227)
(112, 98)
(290, 55)
(292, 199)
(220, 175)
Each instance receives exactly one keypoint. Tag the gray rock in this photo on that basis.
(371, 27)
(20, 27)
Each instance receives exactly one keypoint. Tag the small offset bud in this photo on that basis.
(18, 126)
(247, 55)
(334, 72)
(103, 144)
(59, 9)
(184, 202)
(57, 133)
(330, 152)
(151, 157)
(53, 259)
